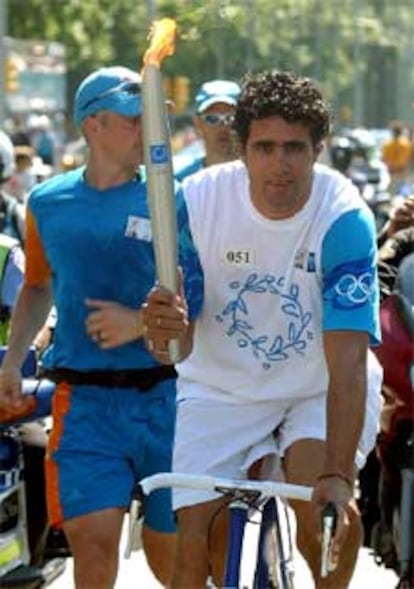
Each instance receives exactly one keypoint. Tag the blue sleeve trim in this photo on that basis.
(189, 261)
(349, 270)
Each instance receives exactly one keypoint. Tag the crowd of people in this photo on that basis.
(274, 318)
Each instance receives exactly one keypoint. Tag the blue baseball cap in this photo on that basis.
(115, 88)
(216, 91)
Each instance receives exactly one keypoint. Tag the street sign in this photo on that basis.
(35, 76)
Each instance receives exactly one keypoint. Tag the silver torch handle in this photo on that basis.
(160, 184)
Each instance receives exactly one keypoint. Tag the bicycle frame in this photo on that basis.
(281, 575)
(245, 492)
(271, 519)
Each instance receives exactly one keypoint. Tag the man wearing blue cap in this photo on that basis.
(89, 247)
(214, 105)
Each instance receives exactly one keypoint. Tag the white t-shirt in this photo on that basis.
(266, 299)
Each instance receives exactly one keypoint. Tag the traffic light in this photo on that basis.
(11, 75)
(181, 93)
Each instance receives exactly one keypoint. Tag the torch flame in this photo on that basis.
(162, 35)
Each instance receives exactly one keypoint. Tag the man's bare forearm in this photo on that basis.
(346, 402)
(345, 420)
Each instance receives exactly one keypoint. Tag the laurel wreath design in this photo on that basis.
(266, 349)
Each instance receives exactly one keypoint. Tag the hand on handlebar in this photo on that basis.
(332, 497)
(329, 520)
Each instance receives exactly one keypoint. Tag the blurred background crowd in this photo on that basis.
(361, 54)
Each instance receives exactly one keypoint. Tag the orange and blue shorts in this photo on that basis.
(103, 441)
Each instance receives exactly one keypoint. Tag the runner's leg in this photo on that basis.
(94, 540)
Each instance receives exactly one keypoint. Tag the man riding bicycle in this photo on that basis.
(288, 252)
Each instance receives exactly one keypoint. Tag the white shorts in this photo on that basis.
(224, 439)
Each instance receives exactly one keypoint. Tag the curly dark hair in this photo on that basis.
(284, 94)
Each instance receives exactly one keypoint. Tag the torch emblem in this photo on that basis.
(159, 154)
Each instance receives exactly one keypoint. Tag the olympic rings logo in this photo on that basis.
(356, 289)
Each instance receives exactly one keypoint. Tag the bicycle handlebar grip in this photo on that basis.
(329, 520)
(135, 514)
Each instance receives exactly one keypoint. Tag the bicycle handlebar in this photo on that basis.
(170, 479)
(209, 483)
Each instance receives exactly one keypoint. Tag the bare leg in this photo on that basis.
(302, 464)
(201, 547)
(160, 551)
(94, 541)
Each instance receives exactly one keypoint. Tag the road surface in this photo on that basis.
(134, 573)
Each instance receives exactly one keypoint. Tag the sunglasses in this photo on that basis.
(213, 120)
(131, 88)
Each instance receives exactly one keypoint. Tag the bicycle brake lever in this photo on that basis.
(133, 519)
(329, 519)
(135, 512)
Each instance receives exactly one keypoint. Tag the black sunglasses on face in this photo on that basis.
(132, 88)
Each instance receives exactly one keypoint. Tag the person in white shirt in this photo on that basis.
(288, 254)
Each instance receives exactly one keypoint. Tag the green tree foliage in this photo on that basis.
(349, 46)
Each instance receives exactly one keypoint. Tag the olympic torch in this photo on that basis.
(157, 159)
